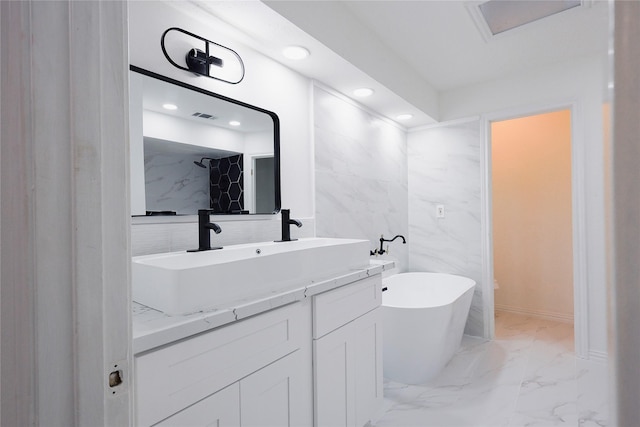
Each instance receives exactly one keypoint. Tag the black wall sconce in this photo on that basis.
(200, 61)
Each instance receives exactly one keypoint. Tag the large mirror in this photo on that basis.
(193, 149)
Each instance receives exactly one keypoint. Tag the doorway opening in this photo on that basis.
(264, 184)
(532, 216)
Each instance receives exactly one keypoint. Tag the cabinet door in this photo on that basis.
(334, 379)
(367, 353)
(221, 409)
(336, 308)
(348, 373)
(277, 395)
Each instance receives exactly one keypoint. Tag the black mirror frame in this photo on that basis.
(274, 117)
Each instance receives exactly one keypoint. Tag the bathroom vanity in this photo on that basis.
(310, 354)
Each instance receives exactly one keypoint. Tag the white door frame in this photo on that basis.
(66, 296)
(578, 202)
(250, 180)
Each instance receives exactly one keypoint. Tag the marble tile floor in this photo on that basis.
(527, 376)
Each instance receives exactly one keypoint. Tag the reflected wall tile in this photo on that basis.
(173, 182)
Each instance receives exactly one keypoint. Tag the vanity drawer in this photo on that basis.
(173, 377)
(340, 306)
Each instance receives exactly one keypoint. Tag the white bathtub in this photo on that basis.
(424, 315)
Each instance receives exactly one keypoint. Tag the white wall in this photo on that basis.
(361, 175)
(66, 309)
(444, 168)
(267, 84)
(624, 251)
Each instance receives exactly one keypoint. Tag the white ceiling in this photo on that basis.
(410, 52)
(440, 41)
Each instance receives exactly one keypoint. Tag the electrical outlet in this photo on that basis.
(439, 211)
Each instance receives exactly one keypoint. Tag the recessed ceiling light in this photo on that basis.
(404, 116)
(170, 106)
(363, 92)
(295, 52)
(234, 123)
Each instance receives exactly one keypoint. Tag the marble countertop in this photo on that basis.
(153, 328)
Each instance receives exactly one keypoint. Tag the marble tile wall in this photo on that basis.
(444, 169)
(173, 182)
(361, 175)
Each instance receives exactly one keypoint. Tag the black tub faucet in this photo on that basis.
(381, 251)
(286, 222)
(204, 231)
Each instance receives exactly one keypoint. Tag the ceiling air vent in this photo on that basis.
(495, 17)
(204, 116)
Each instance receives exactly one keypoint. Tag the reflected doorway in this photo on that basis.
(263, 169)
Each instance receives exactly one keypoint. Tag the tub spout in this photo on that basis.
(382, 240)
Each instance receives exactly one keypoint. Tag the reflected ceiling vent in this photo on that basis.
(495, 17)
(204, 116)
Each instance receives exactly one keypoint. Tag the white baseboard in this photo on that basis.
(598, 356)
(559, 317)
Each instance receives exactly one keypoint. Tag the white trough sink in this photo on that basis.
(186, 282)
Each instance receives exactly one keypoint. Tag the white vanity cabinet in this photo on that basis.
(313, 362)
(255, 372)
(347, 351)
(221, 409)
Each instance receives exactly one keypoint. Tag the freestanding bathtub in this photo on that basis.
(424, 315)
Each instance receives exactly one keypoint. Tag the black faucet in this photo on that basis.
(286, 222)
(204, 231)
(382, 240)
